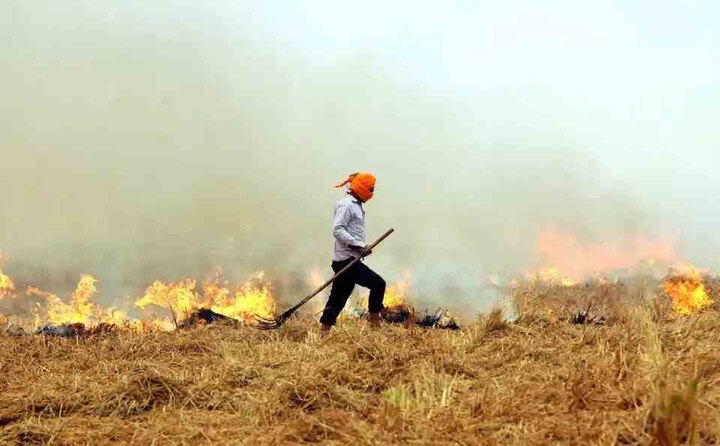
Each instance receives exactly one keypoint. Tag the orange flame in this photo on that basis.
(6, 285)
(314, 280)
(80, 309)
(179, 297)
(576, 260)
(549, 276)
(254, 297)
(687, 290)
(395, 294)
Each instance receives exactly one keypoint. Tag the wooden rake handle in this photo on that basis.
(292, 309)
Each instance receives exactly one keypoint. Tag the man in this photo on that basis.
(349, 233)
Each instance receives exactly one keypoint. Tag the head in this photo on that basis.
(362, 185)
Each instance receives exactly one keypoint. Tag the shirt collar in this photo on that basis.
(355, 199)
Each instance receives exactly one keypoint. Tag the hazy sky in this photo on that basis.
(158, 139)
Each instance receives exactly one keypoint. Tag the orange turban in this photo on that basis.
(363, 184)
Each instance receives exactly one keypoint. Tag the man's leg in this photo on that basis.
(368, 278)
(341, 290)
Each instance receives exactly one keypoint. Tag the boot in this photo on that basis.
(374, 320)
(325, 329)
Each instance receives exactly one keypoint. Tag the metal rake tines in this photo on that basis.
(269, 324)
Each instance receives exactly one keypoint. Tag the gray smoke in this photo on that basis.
(157, 142)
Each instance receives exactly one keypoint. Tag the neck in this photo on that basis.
(355, 195)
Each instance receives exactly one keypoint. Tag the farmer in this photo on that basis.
(349, 232)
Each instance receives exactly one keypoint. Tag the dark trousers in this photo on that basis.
(343, 287)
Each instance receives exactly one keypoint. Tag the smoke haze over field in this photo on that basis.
(145, 140)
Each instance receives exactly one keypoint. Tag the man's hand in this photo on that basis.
(362, 251)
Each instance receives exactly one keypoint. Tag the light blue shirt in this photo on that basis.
(348, 228)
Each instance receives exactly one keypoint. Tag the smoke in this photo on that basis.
(150, 142)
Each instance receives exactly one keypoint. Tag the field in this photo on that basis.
(642, 375)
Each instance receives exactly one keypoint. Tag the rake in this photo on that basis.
(271, 324)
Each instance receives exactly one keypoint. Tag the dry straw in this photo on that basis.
(644, 377)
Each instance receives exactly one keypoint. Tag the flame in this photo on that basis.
(180, 298)
(80, 309)
(144, 326)
(578, 260)
(550, 276)
(6, 285)
(81, 298)
(687, 289)
(314, 280)
(395, 294)
(113, 316)
(253, 297)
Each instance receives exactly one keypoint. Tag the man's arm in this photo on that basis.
(340, 232)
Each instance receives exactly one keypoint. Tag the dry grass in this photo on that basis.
(643, 378)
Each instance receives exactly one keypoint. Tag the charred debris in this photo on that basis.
(401, 314)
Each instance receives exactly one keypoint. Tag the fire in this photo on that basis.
(81, 297)
(151, 325)
(395, 294)
(6, 285)
(395, 297)
(550, 276)
(113, 316)
(314, 280)
(687, 290)
(58, 312)
(179, 298)
(80, 309)
(254, 297)
(577, 260)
